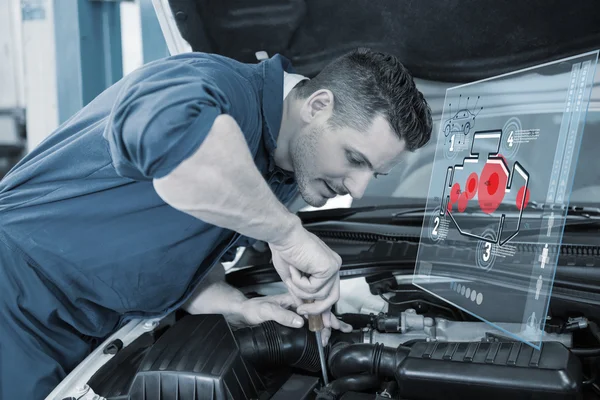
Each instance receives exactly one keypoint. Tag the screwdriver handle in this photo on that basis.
(315, 322)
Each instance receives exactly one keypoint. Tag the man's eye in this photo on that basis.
(353, 160)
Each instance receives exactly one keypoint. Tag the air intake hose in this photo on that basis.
(271, 344)
(374, 359)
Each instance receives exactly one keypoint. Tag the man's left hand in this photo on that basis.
(239, 311)
(257, 310)
(275, 308)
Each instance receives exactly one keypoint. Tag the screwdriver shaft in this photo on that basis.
(322, 357)
(315, 324)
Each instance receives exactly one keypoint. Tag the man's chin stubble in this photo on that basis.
(312, 201)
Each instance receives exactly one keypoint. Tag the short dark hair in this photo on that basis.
(365, 83)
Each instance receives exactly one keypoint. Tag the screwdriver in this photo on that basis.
(315, 324)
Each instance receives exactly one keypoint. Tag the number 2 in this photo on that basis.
(510, 139)
(437, 223)
(486, 253)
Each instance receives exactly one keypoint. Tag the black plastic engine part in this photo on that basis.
(198, 356)
(113, 379)
(361, 396)
(383, 323)
(498, 370)
(271, 345)
(382, 283)
(388, 390)
(113, 347)
(358, 321)
(375, 359)
(509, 370)
(343, 385)
(297, 387)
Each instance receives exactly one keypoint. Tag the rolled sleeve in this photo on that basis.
(161, 117)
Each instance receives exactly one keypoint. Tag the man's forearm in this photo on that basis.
(216, 298)
(221, 185)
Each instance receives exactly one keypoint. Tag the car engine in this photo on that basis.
(403, 355)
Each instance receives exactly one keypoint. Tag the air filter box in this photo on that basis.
(197, 358)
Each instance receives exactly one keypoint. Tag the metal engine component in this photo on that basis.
(395, 331)
(411, 321)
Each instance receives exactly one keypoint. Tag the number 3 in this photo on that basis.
(486, 253)
(437, 223)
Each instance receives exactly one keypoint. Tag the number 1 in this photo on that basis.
(452, 143)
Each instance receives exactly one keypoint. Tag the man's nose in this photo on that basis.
(357, 183)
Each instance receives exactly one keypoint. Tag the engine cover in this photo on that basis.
(197, 358)
(489, 371)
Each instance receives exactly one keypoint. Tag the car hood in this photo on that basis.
(456, 41)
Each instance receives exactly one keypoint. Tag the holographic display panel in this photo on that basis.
(504, 165)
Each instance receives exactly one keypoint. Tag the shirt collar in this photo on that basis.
(274, 92)
(289, 81)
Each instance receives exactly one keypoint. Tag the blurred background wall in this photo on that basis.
(57, 55)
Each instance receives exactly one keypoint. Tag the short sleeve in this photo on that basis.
(161, 116)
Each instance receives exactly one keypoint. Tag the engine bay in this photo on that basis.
(406, 343)
(402, 354)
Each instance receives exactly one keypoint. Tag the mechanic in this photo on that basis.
(125, 208)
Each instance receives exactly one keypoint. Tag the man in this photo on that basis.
(123, 210)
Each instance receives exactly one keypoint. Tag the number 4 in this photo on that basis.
(510, 139)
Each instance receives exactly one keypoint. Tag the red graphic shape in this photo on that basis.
(454, 193)
(520, 197)
(492, 184)
(463, 200)
(449, 207)
(472, 185)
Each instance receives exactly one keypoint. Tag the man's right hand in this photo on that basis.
(302, 252)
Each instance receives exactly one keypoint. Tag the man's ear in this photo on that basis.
(319, 102)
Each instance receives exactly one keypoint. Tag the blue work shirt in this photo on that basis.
(81, 209)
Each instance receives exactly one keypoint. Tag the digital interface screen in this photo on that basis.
(505, 160)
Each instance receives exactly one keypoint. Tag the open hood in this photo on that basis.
(451, 41)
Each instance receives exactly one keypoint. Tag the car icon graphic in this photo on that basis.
(462, 122)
